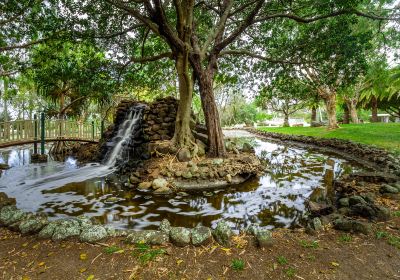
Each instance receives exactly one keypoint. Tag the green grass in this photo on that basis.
(290, 272)
(396, 214)
(345, 238)
(237, 264)
(145, 253)
(383, 135)
(112, 249)
(282, 260)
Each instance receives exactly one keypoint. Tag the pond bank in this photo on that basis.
(376, 158)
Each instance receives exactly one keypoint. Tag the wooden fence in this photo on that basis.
(23, 131)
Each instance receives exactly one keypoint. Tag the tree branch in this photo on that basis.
(151, 58)
(253, 55)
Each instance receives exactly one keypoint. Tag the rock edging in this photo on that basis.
(373, 156)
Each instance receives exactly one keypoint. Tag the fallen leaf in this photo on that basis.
(82, 270)
(41, 264)
(25, 244)
(49, 254)
(178, 262)
(35, 246)
(83, 256)
(227, 251)
(91, 277)
(25, 277)
(334, 264)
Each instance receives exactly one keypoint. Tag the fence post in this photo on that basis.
(36, 134)
(42, 132)
(93, 130)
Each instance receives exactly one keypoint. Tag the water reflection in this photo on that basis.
(274, 200)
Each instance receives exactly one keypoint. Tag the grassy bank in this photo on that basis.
(383, 135)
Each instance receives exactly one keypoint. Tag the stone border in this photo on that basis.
(367, 155)
(83, 229)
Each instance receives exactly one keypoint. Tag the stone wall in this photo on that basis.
(159, 119)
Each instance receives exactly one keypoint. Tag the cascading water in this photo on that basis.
(124, 136)
(120, 147)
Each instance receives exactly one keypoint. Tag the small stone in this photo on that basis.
(201, 236)
(247, 148)
(187, 175)
(134, 180)
(228, 178)
(93, 234)
(388, 189)
(180, 236)
(223, 233)
(184, 155)
(361, 227)
(182, 194)
(344, 202)
(144, 185)
(355, 199)
(218, 161)
(152, 237)
(111, 200)
(165, 226)
(316, 224)
(159, 183)
(264, 238)
(163, 190)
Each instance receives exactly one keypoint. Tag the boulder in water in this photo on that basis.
(144, 185)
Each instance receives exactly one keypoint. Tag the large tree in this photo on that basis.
(195, 35)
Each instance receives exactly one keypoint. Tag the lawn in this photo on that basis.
(384, 135)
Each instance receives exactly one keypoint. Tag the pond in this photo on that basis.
(277, 199)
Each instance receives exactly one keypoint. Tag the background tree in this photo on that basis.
(286, 95)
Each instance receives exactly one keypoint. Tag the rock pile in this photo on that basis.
(83, 229)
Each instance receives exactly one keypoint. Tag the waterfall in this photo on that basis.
(124, 136)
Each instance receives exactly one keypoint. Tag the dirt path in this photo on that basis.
(294, 255)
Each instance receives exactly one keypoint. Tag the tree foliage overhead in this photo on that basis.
(71, 75)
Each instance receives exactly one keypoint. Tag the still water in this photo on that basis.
(277, 199)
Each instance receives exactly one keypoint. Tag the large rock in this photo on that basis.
(165, 226)
(93, 234)
(356, 199)
(223, 233)
(201, 236)
(180, 236)
(319, 209)
(346, 224)
(388, 189)
(159, 183)
(152, 237)
(10, 215)
(33, 225)
(66, 229)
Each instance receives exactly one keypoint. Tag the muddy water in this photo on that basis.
(277, 199)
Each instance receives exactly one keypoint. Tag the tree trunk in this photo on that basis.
(353, 112)
(286, 121)
(216, 147)
(330, 102)
(313, 114)
(346, 115)
(374, 105)
(183, 135)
